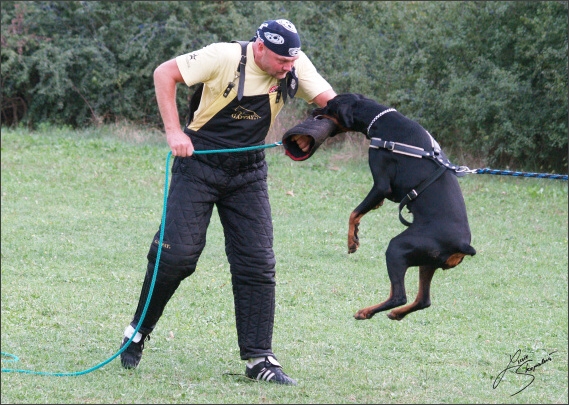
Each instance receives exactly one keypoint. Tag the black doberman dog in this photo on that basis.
(409, 168)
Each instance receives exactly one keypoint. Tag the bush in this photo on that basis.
(488, 79)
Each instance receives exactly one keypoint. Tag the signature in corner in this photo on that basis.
(521, 366)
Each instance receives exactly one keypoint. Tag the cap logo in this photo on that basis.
(293, 51)
(274, 38)
(288, 25)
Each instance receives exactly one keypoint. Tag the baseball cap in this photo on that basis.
(280, 36)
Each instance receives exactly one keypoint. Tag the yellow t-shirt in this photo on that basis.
(215, 65)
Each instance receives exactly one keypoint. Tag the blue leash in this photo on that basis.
(13, 358)
(522, 174)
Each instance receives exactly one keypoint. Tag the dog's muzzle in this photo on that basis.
(318, 128)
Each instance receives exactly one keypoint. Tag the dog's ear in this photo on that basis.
(341, 108)
(318, 111)
(344, 113)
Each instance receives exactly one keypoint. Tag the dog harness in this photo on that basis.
(435, 154)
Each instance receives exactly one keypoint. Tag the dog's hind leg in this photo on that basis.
(368, 312)
(423, 299)
(396, 268)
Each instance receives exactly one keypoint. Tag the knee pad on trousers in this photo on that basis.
(173, 261)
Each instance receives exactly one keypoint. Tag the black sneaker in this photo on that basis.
(269, 370)
(133, 353)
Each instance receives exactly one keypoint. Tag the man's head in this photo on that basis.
(276, 47)
(280, 36)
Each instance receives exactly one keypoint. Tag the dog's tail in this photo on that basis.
(468, 250)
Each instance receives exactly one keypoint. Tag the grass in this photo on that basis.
(79, 209)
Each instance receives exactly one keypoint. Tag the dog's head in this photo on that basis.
(341, 109)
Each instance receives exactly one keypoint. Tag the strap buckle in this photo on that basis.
(389, 145)
(412, 195)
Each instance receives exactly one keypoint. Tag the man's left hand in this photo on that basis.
(303, 142)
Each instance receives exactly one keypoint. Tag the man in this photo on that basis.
(230, 115)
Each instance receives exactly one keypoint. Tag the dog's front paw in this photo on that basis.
(353, 244)
(353, 239)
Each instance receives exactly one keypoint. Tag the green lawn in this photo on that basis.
(79, 210)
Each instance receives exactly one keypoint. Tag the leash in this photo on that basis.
(13, 358)
(435, 154)
(520, 174)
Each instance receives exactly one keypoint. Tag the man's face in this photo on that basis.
(274, 64)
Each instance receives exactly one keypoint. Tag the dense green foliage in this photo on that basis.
(488, 79)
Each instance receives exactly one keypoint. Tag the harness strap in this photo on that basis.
(417, 152)
(413, 151)
(401, 148)
(418, 190)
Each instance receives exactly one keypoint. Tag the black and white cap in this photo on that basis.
(280, 36)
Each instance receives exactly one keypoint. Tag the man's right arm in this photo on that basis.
(166, 78)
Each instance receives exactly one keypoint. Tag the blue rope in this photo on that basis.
(522, 174)
(270, 145)
(13, 358)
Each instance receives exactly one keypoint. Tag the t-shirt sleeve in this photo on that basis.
(310, 82)
(209, 64)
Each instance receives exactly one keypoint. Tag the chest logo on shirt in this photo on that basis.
(274, 88)
(244, 114)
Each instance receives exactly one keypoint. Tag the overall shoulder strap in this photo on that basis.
(240, 70)
(196, 97)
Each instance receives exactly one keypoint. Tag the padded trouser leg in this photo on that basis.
(248, 229)
(165, 285)
(188, 215)
(254, 317)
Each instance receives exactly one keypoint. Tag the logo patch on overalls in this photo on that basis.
(244, 114)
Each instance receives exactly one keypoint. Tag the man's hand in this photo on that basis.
(180, 143)
(303, 142)
(166, 77)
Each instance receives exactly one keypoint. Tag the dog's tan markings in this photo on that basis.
(454, 260)
(391, 302)
(423, 299)
(353, 228)
(365, 313)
